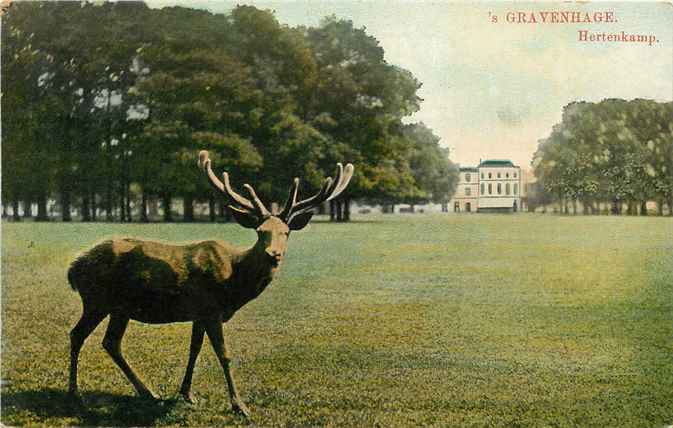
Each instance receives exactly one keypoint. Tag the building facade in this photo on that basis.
(466, 198)
(493, 186)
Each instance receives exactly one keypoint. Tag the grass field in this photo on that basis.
(391, 321)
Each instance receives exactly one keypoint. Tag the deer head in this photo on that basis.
(273, 229)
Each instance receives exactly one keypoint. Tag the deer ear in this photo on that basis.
(244, 218)
(300, 221)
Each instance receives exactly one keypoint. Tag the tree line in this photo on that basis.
(614, 153)
(107, 104)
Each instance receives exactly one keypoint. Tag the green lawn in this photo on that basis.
(391, 321)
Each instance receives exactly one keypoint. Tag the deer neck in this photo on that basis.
(253, 272)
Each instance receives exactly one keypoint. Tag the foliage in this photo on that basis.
(120, 109)
(614, 151)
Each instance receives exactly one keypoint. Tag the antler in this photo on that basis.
(329, 190)
(238, 202)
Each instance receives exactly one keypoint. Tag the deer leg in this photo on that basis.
(84, 327)
(198, 331)
(112, 342)
(216, 336)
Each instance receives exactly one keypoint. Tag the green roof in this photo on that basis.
(496, 163)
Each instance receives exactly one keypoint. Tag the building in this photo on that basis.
(493, 186)
(466, 198)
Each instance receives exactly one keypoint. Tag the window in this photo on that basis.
(515, 175)
(468, 177)
(499, 188)
(507, 175)
(516, 188)
(507, 189)
(456, 207)
(490, 188)
(489, 175)
(468, 191)
(498, 175)
(482, 175)
(483, 188)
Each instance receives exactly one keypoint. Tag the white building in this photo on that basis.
(466, 198)
(493, 186)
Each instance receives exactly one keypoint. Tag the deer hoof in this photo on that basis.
(188, 397)
(240, 408)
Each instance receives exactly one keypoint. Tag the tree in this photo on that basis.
(118, 110)
(614, 151)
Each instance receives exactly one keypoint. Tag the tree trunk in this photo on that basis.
(347, 209)
(86, 213)
(166, 205)
(65, 205)
(574, 206)
(122, 202)
(15, 210)
(94, 207)
(27, 208)
(188, 208)
(127, 190)
(616, 207)
(143, 207)
(222, 210)
(109, 215)
(42, 207)
(152, 207)
(211, 209)
(321, 209)
(643, 208)
(332, 211)
(660, 207)
(339, 212)
(670, 206)
(412, 208)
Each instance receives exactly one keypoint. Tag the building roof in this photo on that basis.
(468, 169)
(497, 163)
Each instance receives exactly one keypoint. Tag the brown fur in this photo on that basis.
(204, 282)
(153, 282)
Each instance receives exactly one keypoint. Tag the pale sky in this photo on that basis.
(492, 90)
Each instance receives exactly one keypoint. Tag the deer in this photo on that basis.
(204, 283)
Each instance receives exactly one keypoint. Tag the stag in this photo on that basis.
(204, 282)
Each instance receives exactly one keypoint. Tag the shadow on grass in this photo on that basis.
(100, 408)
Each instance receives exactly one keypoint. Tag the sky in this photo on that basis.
(492, 90)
